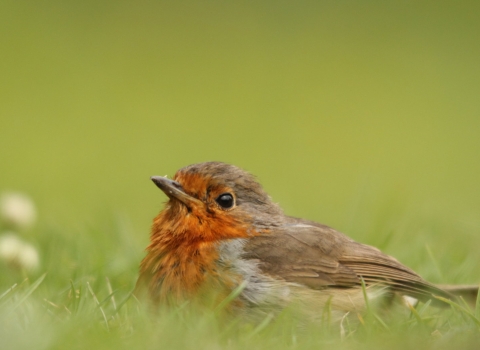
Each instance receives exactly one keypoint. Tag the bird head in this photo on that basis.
(214, 200)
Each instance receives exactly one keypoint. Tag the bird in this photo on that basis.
(220, 231)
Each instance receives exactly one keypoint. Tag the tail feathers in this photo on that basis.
(468, 292)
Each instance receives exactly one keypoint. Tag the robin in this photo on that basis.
(221, 231)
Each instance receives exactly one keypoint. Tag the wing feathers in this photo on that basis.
(318, 256)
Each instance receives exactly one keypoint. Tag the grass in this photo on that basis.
(363, 115)
(82, 298)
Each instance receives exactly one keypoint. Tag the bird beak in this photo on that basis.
(175, 191)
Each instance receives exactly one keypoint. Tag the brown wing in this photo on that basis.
(318, 256)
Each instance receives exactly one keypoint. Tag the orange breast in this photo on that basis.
(182, 255)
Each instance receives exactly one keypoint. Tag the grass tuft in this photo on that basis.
(86, 300)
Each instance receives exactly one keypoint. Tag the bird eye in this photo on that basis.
(225, 200)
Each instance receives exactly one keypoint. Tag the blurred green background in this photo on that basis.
(361, 115)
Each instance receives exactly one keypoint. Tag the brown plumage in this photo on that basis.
(220, 229)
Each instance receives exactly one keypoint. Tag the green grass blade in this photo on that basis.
(365, 296)
(95, 299)
(381, 322)
(74, 297)
(109, 298)
(424, 307)
(235, 293)
(122, 303)
(8, 291)
(27, 293)
(460, 308)
(327, 313)
(110, 290)
(265, 322)
(477, 306)
(415, 313)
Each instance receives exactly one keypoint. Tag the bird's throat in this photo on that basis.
(181, 255)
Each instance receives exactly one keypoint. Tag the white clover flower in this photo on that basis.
(17, 253)
(409, 301)
(10, 246)
(28, 258)
(17, 210)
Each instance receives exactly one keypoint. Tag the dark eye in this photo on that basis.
(225, 200)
